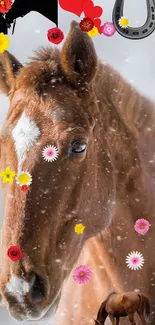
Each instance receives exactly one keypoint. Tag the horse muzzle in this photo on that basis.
(24, 313)
(28, 299)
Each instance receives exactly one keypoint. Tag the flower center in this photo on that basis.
(82, 274)
(8, 175)
(50, 153)
(124, 22)
(14, 253)
(135, 260)
(2, 3)
(24, 178)
(142, 226)
(55, 35)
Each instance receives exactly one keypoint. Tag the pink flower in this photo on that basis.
(50, 153)
(142, 226)
(135, 260)
(82, 274)
(108, 29)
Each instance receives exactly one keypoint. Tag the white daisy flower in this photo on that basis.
(50, 153)
(134, 260)
(123, 22)
(23, 178)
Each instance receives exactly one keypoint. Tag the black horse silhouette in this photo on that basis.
(21, 8)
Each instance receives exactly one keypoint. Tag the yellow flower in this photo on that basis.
(4, 42)
(79, 228)
(24, 178)
(93, 32)
(124, 22)
(8, 175)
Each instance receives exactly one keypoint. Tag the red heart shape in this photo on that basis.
(90, 10)
(76, 7)
(97, 23)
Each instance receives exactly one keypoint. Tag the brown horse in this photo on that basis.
(124, 304)
(104, 178)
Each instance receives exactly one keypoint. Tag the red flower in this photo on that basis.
(55, 35)
(24, 188)
(14, 253)
(86, 24)
(5, 6)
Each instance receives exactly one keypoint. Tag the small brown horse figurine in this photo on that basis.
(124, 304)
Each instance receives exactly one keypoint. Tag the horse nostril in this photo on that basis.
(37, 287)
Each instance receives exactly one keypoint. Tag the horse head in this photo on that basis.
(52, 138)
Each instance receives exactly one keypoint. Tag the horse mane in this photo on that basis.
(136, 110)
(45, 54)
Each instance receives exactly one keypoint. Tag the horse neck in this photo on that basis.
(124, 118)
(135, 110)
(122, 131)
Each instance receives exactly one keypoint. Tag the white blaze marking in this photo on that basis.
(18, 288)
(24, 134)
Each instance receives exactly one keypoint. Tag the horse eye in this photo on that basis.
(78, 147)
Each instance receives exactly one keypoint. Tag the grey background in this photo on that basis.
(134, 59)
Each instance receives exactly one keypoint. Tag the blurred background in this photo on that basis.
(135, 60)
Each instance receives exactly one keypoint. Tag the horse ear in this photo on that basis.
(9, 67)
(78, 56)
